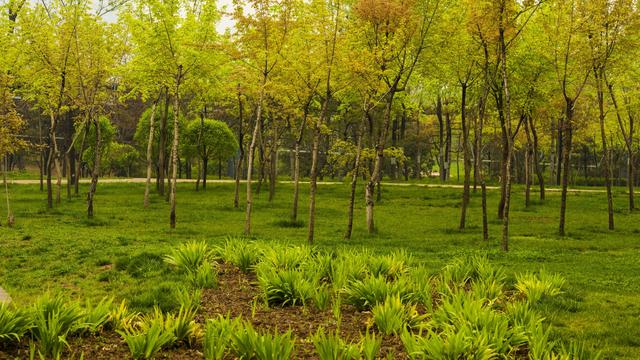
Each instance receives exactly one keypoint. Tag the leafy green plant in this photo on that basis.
(365, 294)
(392, 316)
(204, 277)
(98, 316)
(284, 287)
(321, 296)
(389, 266)
(145, 342)
(122, 317)
(239, 252)
(189, 256)
(281, 257)
(249, 344)
(218, 336)
(13, 324)
(53, 320)
(332, 347)
(189, 299)
(370, 346)
(536, 286)
(184, 326)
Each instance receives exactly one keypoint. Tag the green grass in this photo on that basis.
(119, 253)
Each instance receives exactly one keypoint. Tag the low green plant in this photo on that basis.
(13, 324)
(99, 316)
(184, 326)
(239, 252)
(284, 287)
(321, 297)
(218, 336)
(189, 256)
(145, 342)
(536, 286)
(332, 347)
(53, 320)
(370, 346)
(392, 316)
(204, 277)
(282, 257)
(189, 299)
(250, 344)
(365, 294)
(390, 266)
(122, 317)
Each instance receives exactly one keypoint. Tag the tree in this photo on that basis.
(209, 139)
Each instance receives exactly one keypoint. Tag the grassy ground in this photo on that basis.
(120, 252)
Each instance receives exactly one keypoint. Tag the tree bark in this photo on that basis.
(467, 157)
(567, 129)
(95, 171)
(252, 147)
(10, 217)
(536, 159)
(174, 149)
(354, 176)
(150, 153)
(507, 110)
(606, 168)
(162, 146)
(628, 141)
(238, 174)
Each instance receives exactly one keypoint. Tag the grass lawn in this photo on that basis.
(119, 253)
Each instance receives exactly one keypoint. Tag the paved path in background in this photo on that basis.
(216, 181)
(4, 297)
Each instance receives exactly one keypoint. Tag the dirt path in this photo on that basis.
(143, 180)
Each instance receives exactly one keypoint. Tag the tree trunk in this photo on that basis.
(238, 174)
(628, 141)
(150, 153)
(566, 161)
(162, 146)
(536, 159)
(485, 225)
(205, 166)
(10, 218)
(95, 171)
(509, 145)
(467, 157)
(599, 75)
(377, 167)
(252, 147)
(273, 163)
(354, 176)
(441, 147)
(174, 149)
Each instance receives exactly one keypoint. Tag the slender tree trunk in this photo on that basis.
(467, 158)
(162, 146)
(485, 224)
(354, 175)
(527, 163)
(447, 145)
(199, 174)
(10, 217)
(296, 181)
(273, 159)
(205, 166)
(509, 145)
(42, 157)
(252, 147)
(314, 178)
(174, 149)
(605, 149)
(441, 147)
(566, 162)
(377, 167)
(96, 169)
(236, 198)
(536, 159)
(628, 141)
(150, 153)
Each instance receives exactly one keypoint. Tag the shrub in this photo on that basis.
(249, 344)
(183, 325)
(189, 256)
(13, 324)
(536, 286)
(281, 257)
(122, 317)
(321, 296)
(218, 336)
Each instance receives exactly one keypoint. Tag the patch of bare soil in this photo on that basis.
(237, 295)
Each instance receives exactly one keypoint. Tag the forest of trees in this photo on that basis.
(531, 92)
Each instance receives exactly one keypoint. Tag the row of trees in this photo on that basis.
(367, 86)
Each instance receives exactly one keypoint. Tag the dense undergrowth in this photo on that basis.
(470, 310)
